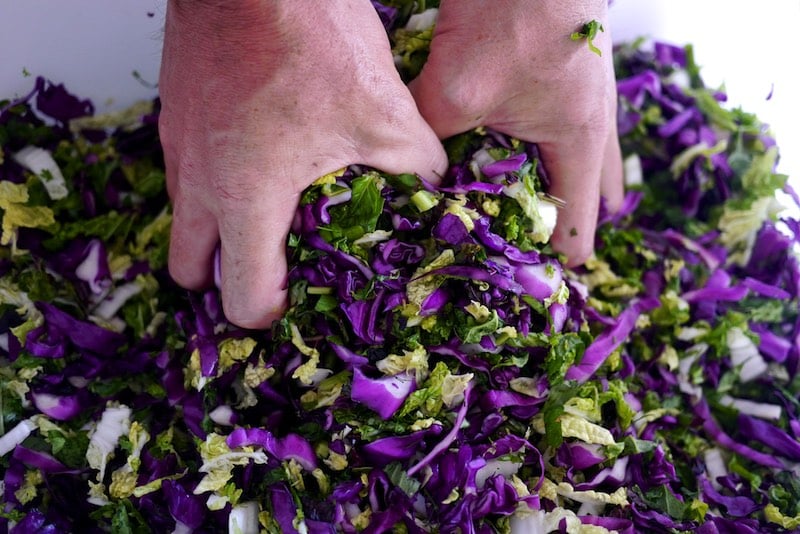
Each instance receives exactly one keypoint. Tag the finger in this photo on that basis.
(171, 172)
(253, 262)
(611, 181)
(193, 239)
(574, 170)
(170, 153)
(611, 175)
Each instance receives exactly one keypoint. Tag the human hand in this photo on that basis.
(514, 68)
(258, 100)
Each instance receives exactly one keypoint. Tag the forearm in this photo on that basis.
(249, 40)
(245, 22)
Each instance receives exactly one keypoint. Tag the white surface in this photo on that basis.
(749, 47)
(93, 46)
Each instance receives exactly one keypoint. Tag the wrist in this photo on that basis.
(209, 21)
(262, 26)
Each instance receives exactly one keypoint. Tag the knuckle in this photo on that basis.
(397, 112)
(587, 119)
(233, 189)
(464, 99)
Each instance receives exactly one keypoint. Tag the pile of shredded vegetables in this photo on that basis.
(438, 369)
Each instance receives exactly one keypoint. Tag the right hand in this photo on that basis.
(258, 100)
(513, 67)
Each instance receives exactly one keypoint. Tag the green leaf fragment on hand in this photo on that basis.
(589, 32)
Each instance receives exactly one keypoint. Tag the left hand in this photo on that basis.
(258, 100)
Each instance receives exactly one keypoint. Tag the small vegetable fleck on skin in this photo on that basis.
(589, 31)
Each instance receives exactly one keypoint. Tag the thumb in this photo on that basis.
(410, 147)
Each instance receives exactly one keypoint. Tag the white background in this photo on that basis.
(93, 46)
(750, 47)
